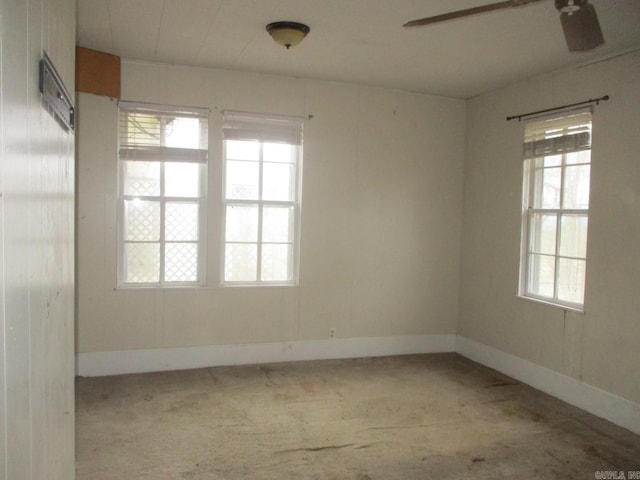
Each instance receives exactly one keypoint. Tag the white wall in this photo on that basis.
(601, 346)
(381, 208)
(36, 247)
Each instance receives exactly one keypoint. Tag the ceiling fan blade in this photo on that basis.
(469, 11)
(582, 29)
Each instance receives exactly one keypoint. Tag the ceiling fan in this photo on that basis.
(578, 17)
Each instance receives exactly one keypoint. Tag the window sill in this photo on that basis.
(550, 303)
(160, 287)
(258, 285)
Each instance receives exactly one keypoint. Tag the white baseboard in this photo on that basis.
(603, 404)
(95, 364)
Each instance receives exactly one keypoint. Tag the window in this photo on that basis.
(162, 185)
(557, 168)
(262, 158)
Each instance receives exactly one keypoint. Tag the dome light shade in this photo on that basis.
(287, 34)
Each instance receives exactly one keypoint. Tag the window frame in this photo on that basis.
(198, 157)
(294, 202)
(532, 189)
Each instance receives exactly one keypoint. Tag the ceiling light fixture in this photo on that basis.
(287, 34)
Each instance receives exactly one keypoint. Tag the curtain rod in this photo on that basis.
(591, 100)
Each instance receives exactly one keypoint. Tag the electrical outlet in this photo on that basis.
(332, 332)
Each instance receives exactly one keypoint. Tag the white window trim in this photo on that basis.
(295, 203)
(187, 155)
(528, 210)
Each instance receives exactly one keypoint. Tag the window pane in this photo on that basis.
(240, 262)
(181, 179)
(547, 193)
(571, 280)
(543, 233)
(142, 220)
(183, 132)
(541, 275)
(181, 221)
(162, 196)
(578, 157)
(142, 262)
(260, 191)
(278, 152)
(277, 181)
(576, 187)
(141, 178)
(242, 180)
(277, 262)
(242, 223)
(181, 262)
(242, 150)
(276, 224)
(555, 222)
(553, 160)
(573, 237)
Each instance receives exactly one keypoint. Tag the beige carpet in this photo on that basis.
(410, 417)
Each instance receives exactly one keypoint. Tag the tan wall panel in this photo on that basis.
(97, 72)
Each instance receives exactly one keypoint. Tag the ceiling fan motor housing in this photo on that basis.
(569, 6)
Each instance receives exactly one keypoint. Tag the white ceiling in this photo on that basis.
(359, 41)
